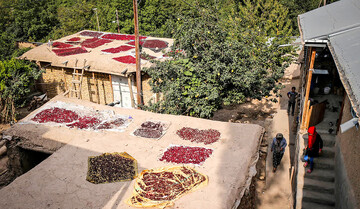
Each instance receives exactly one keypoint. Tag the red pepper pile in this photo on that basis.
(69, 51)
(85, 122)
(128, 59)
(195, 135)
(183, 154)
(74, 39)
(121, 37)
(91, 33)
(57, 115)
(118, 49)
(61, 45)
(94, 42)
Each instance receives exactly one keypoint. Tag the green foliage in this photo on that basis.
(16, 79)
(220, 64)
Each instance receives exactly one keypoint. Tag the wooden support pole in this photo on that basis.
(96, 88)
(112, 90)
(63, 71)
(131, 92)
(137, 53)
(308, 84)
(308, 115)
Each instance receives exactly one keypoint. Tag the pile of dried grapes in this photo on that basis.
(200, 136)
(112, 124)
(111, 167)
(184, 154)
(91, 33)
(160, 187)
(121, 37)
(150, 129)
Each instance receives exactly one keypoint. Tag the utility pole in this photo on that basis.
(97, 18)
(137, 54)
(117, 20)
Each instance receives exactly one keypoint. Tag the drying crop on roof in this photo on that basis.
(111, 167)
(57, 115)
(133, 43)
(121, 37)
(91, 33)
(151, 129)
(162, 186)
(69, 51)
(128, 59)
(61, 45)
(94, 42)
(184, 154)
(74, 39)
(208, 136)
(121, 48)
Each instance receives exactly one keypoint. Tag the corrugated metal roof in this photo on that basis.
(345, 48)
(338, 16)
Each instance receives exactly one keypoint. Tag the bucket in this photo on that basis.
(327, 90)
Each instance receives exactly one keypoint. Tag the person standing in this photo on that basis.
(314, 147)
(292, 100)
(278, 148)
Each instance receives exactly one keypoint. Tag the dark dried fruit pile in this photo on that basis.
(183, 154)
(160, 187)
(94, 42)
(195, 135)
(61, 45)
(69, 51)
(85, 122)
(118, 49)
(153, 44)
(112, 124)
(111, 167)
(150, 129)
(57, 115)
(91, 33)
(133, 43)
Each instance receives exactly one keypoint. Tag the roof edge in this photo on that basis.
(345, 82)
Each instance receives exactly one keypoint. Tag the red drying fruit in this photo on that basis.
(57, 115)
(74, 39)
(61, 45)
(183, 154)
(195, 135)
(85, 122)
(112, 124)
(94, 42)
(91, 33)
(128, 59)
(133, 43)
(121, 37)
(118, 49)
(69, 51)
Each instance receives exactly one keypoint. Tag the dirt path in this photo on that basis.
(272, 190)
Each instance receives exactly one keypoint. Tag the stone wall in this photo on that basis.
(347, 164)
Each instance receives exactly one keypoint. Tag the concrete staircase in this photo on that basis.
(319, 186)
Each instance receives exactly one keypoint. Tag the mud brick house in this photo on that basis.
(97, 66)
(330, 101)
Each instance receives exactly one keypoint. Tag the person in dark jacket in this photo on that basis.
(314, 147)
(292, 100)
(278, 148)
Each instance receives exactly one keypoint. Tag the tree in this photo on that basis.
(16, 79)
(211, 66)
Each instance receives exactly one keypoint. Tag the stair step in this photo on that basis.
(328, 152)
(319, 186)
(328, 140)
(318, 197)
(321, 175)
(311, 205)
(324, 163)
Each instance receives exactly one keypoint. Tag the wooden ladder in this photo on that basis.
(76, 82)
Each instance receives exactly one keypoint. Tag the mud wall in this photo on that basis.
(347, 164)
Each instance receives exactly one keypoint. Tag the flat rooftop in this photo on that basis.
(60, 180)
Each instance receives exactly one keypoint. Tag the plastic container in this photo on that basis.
(327, 90)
